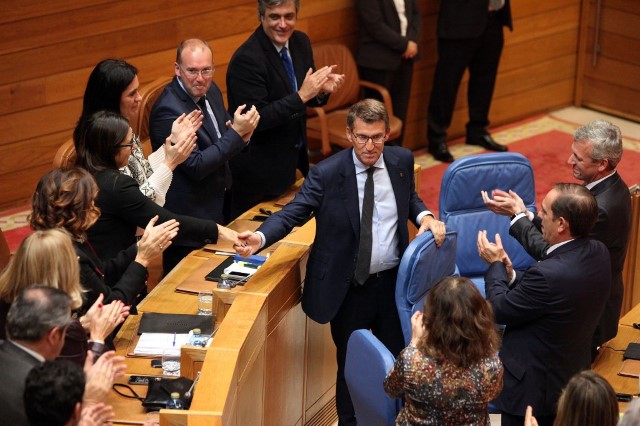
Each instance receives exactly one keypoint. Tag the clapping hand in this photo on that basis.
(503, 203)
(245, 123)
(155, 239)
(182, 140)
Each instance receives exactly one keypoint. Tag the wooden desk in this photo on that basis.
(268, 363)
(609, 359)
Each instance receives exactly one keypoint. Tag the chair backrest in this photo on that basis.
(367, 364)
(423, 264)
(5, 252)
(150, 94)
(339, 54)
(65, 155)
(463, 211)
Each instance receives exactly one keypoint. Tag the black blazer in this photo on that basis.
(331, 193)
(256, 76)
(16, 364)
(119, 278)
(459, 19)
(612, 228)
(550, 316)
(123, 208)
(198, 184)
(381, 45)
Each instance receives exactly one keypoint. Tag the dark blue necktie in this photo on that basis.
(288, 66)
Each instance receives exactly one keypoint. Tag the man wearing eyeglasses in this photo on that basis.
(361, 198)
(201, 184)
(274, 70)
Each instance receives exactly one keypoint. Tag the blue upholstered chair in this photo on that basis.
(422, 265)
(367, 364)
(463, 211)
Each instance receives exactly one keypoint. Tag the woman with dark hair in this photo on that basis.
(113, 86)
(102, 149)
(450, 370)
(64, 198)
(588, 399)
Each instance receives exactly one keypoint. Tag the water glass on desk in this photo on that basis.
(205, 303)
(171, 362)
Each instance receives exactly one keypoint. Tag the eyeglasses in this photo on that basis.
(363, 139)
(126, 145)
(194, 72)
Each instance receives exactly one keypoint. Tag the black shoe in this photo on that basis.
(441, 153)
(487, 142)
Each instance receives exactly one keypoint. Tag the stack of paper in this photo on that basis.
(152, 344)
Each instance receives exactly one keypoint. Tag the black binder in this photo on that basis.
(152, 322)
(632, 352)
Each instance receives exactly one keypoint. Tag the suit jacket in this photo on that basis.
(460, 19)
(612, 228)
(123, 208)
(381, 45)
(256, 76)
(198, 184)
(331, 193)
(16, 365)
(550, 316)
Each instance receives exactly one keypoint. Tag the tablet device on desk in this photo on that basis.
(214, 275)
(632, 351)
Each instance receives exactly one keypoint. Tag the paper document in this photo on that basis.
(155, 343)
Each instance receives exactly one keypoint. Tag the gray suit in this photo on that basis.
(16, 364)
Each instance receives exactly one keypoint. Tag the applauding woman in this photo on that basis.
(113, 86)
(47, 257)
(103, 148)
(450, 370)
(65, 198)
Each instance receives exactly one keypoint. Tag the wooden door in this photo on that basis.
(609, 73)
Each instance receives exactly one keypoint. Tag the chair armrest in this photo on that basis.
(324, 129)
(386, 97)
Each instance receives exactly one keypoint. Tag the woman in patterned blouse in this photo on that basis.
(450, 370)
(113, 86)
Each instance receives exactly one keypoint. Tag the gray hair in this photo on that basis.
(605, 139)
(369, 111)
(36, 310)
(264, 4)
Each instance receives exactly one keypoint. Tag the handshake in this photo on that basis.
(248, 243)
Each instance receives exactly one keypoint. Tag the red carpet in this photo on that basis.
(544, 140)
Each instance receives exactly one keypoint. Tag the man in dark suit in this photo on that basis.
(596, 151)
(550, 310)
(200, 183)
(274, 71)
(388, 46)
(350, 283)
(469, 37)
(36, 326)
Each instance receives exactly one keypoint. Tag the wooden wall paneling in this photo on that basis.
(320, 369)
(614, 72)
(15, 10)
(283, 396)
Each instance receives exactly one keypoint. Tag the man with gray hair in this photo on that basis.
(36, 326)
(274, 70)
(596, 151)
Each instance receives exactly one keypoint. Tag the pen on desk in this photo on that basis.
(174, 339)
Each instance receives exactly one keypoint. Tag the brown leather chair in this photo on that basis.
(150, 94)
(65, 156)
(5, 253)
(328, 123)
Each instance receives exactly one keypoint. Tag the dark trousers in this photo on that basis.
(398, 82)
(370, 306)
(481, 56)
